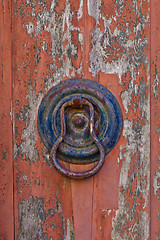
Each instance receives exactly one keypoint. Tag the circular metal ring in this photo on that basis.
(72, 174)
(78, 146)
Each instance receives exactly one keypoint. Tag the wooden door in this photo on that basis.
(113, 42)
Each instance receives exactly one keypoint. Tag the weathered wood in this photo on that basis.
(155, 123)
(119, 46)
(108, 42)
(44, 46)
(6, 151)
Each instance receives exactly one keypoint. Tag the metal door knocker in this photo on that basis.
(79, 121)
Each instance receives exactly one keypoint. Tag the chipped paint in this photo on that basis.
(155, 123)
(60, 28)
(94, 9)
(155, 84)
(48, 47)
(34, 216)
(27, 149)
(133, 174)
(156, 184)
(70, 231)
(80, 12)
(31, 215)
(30, 28)
(121, 48)
(98, 55)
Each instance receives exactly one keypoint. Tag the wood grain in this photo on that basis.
(6, 150)
(109, 42)
(155, 124)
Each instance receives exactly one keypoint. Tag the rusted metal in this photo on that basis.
(80, 123)
(78, 145)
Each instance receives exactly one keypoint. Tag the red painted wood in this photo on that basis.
(106, 41)
(41, 209)
(82, 191)
(6, 156)
(155, 123)
(108, 183)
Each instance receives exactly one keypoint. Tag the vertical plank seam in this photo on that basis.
(12, 114)
(72, 207)
(92, 206)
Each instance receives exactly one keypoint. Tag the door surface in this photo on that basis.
(115, 43)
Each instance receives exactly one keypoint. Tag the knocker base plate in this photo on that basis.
(78, 146)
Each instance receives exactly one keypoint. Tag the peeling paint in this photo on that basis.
(99, 55)
(135, 148)
(27, 149)
(30, 28)
(54, 44)
(155, 84)
(94, 9)
(126, 99)
(156, 184)
(80, 12)
(70, 231)
(60, 29)
(34, 216)
(31, 215)
(120, 47)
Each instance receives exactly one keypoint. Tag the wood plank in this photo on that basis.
(6, 155)
(43, 41)
(120, 45)
(82, 191)
(155, 123)
(108, 43)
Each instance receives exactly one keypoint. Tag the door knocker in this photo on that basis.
(79, 121)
